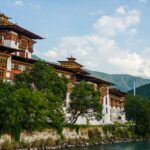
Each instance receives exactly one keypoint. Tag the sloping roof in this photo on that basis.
(67, 62)
(80, 71)
(97, 80)
(22, 59)
(58, 67)
(117, 92)
(89, 78)
(18, 29)
(3, 15)
(8, 49)
(71, 58)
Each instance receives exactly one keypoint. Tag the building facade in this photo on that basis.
(16, 48)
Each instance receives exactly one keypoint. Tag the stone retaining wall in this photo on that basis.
(50, 139)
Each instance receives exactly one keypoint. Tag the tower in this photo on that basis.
(14, 36)
(70, 63)
(16, 48)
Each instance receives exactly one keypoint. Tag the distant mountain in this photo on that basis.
(143, 91)
(36, 57)
(122, 81)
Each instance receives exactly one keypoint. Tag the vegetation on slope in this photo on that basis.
(123, 82)
(138, 110)
(143, 91)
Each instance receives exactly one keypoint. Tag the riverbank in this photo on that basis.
(142, 145)
(86, 144)
(71, 136)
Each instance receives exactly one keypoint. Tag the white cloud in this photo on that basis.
(18, 3)
(133, 63)
(88, 49)
(122, 21)
(51, 54)
(127, 62)
(100, 51)
(120, 10)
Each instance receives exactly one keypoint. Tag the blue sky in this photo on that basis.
(110, 36)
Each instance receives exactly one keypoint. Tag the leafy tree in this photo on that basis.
(34, 108)
(56, 113)
(42, 77)
(85, 101)
(45, 84)
(138, 109)
(9, 111)
(33, 102)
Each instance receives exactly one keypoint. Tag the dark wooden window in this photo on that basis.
(1, 73)
(3, 62)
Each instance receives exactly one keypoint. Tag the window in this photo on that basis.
(1, 73)
(103, 121)
(3, 62)
(12, 66)
(16, 41)
(26, 55)
(106, 110)
(106, 100)
(23, 68)
(20, 67)
(1, 39)
(23, 44)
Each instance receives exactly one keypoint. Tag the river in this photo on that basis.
(144, 145)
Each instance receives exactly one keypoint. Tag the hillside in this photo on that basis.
(122, 81)
(143, 91)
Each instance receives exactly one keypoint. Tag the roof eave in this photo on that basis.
(20, 30)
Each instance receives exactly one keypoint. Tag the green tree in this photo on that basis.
(34, 108)
(138, 109)
(44, 79)
(85, 101)
(33, 102)
(9, 111)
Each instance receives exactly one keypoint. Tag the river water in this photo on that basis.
(144, 145)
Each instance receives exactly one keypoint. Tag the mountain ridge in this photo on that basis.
(143, 91)
(123, 82)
